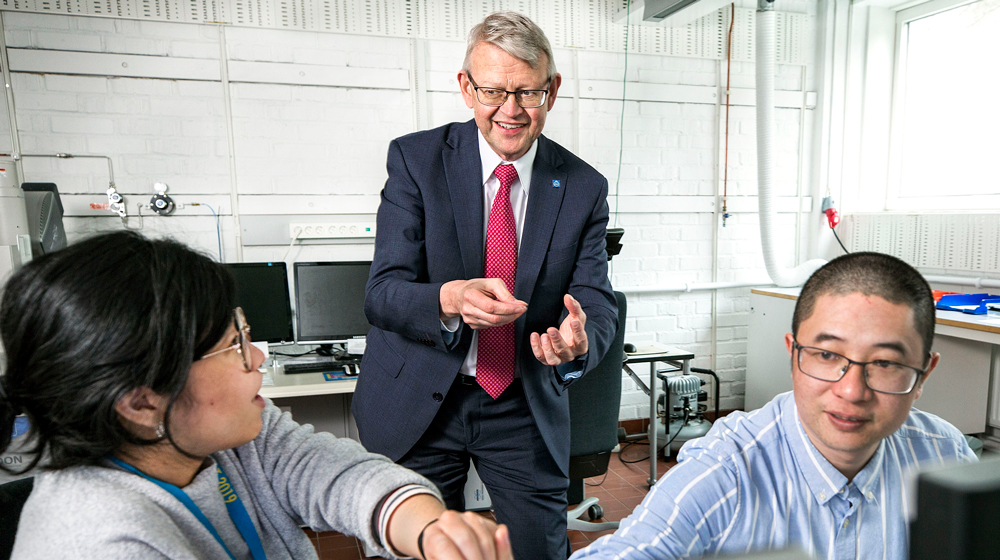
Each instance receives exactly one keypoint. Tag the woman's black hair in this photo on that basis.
(85, 325)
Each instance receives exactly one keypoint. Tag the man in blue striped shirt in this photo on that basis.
(820, 468)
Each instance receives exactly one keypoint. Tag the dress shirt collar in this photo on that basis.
(523, 165)
(823, 480)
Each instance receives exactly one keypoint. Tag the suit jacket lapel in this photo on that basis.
(544, 201)
(463, 172)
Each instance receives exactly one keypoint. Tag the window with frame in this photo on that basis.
(946, 123)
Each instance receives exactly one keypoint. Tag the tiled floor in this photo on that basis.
(619, 493)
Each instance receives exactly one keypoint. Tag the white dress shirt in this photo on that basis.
(518, 204)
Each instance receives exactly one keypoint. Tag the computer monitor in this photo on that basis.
(262, 292)
(958, 512)
(330, 301)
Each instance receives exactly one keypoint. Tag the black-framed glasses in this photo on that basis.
(525, 98)
(881, 376)
(242, 345)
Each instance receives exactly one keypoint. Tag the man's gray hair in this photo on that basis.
(514, 34)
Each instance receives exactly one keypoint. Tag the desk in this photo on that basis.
(677, 358)
(307, 396)
(302, 384)
(958, 390)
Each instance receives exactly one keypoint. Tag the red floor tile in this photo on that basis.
(341, 554)
(336, 541)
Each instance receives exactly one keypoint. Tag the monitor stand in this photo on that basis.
(328, 350)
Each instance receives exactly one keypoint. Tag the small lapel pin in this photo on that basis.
(556, 183)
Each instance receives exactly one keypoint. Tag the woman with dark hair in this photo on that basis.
(140, 382)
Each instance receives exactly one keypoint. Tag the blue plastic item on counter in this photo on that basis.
(965, 303)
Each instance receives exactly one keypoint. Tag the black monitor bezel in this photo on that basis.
(288, 297)
(335, 338)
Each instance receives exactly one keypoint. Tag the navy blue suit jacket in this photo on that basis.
(430, 231)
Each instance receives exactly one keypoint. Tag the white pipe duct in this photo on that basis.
(963, 281)
(765, 157)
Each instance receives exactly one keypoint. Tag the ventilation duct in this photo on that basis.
(672, 13)
(765, 152)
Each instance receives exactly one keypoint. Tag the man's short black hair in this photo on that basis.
(871, 274)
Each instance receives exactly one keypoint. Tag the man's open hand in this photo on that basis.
(558, 346)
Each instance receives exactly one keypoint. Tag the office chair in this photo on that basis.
(594, 403)
(12, 498)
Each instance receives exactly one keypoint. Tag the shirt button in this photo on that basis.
(822, 496)
(842, 490)
(438, 397)
(871, 495)
(846, 523)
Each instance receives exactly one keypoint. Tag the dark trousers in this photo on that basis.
(526, 486)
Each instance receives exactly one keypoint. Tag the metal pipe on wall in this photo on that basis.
(691, 287)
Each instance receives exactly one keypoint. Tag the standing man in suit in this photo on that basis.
(488, 293)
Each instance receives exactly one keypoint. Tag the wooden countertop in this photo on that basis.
(989, 323)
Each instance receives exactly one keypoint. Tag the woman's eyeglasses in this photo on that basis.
(242, 346)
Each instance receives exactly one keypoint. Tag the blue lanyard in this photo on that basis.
(237, 512)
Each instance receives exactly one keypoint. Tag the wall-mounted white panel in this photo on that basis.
(314, 75)
(306, 204)
(108, 64)
(967, 242)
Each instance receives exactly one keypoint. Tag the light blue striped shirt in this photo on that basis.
(756, 482)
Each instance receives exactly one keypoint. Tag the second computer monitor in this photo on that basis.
(262, 292)
(330, 301)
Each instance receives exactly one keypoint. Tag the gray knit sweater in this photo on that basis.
(287, 477)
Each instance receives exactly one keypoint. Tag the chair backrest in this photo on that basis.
(12, 498)
(595, 399)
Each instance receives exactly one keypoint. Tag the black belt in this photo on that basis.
(470, 380)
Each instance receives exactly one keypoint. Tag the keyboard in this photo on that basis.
(350, 367)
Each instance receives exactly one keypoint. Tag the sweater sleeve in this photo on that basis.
(322, 481)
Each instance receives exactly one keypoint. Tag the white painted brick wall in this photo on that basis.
(314, 140)
(302, 140)
(121, 36)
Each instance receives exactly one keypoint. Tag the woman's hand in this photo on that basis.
(421, 522)
(466, 536)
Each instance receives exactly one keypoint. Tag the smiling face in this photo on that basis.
(219, 407)
(509, 129)
(845, 419)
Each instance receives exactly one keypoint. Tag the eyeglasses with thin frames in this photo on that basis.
(495, 97)
(242, 345)
(881, 376)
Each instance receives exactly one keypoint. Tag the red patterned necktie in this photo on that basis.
(495, 359)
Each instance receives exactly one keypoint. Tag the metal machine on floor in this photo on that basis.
(679, 407)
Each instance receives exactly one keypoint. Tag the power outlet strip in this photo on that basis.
(331, 230)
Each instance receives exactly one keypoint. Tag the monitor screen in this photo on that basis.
(262, 292)
(330, 300)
